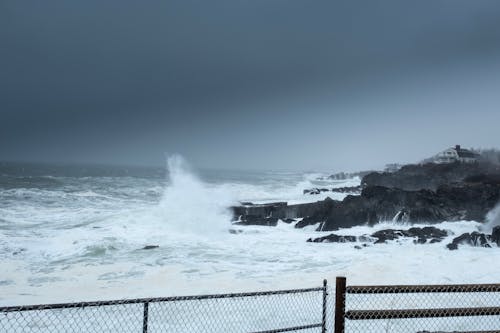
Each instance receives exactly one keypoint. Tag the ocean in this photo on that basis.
(77, 233)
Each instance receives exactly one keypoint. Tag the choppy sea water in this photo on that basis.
(77, 233)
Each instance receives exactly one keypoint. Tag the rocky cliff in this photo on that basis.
(449, 193)
(429, 176)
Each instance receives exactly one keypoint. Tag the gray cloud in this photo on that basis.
(246, 84)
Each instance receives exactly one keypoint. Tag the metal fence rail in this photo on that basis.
(302, 310)
(418, 308)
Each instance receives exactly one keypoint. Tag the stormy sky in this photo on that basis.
(255, 84)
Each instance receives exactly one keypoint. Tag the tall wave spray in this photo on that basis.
(492, 219)
(190, 206)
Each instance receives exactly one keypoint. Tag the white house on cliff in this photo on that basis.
(456, 154)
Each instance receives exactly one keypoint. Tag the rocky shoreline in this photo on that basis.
(425, 235)
(415, 194)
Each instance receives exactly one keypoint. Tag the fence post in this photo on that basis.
(340, 304)
(145, 318)
(325, 293)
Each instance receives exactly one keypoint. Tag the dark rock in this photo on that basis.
(479, 239)
(470, 202)
(495, 235)
(348, 175)
(473, 239)
(273, 209)
(428, 232)
(422, 235)
(312, 191)
(315, 190)
(492, 179)
(348, 189)
(318, 214)
(150, 247)
(431, 176)
(288, 220)
(281, 210)
(462, 201)
(388, 234)
(352, 211)
(333, 238)
(235, 231)
(305, 222)
(257, 220)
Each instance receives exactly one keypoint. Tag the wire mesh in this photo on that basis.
(302, 310)
(422, 309)
(433, 308)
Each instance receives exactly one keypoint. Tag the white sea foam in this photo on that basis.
(67, 244)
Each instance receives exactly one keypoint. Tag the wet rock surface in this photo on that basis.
(477, 239)
(333, 238)
(377, 203)
(425, 235)
(345, 189)
(420, 235)
(258, 220)
(414, 194)
(473, 239)
(431, 176)
(495, 235)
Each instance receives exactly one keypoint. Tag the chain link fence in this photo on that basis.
(421, 308)
(411, 308)
(304, 310)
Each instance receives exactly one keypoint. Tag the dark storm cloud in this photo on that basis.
(219, 81)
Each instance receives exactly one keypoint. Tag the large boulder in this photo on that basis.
(473, 239)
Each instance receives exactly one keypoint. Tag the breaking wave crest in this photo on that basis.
(190, 205)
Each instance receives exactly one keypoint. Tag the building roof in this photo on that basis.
(465, 153)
